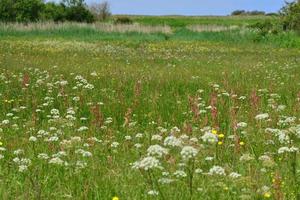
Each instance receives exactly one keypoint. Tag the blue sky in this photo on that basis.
(189, 7)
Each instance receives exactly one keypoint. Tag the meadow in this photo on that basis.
(88, 114)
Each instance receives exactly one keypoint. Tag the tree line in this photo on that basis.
(38, 10)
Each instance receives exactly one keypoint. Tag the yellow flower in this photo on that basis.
(220, 143)
(221, 135)
(214, 131)
(267, 195)
(1, 143)
(242, 143)
(115, 198)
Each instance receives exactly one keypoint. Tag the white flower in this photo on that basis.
(180, 174)
(246, 157)
(43, 156)
(188, 152)
(153, 192)
(82, 128)
(114, 144)
(217, 170)
(242, 125)
(209, 137)
(282, 150)
(23, 168)
(128, 137)
(156, 137)
(56, 161)
(262, 116)
(5, 122)
(157, 150)
(147, 163)
(32, 139)
(172, 141)
(234, 175)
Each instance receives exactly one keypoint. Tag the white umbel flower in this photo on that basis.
(217, 170)
(147, 163)
(188, 152)
(157, 150)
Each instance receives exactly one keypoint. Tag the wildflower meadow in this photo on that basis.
(148, 118)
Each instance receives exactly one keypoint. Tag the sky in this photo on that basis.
(189, 7)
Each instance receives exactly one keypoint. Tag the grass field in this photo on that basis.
(89, 115)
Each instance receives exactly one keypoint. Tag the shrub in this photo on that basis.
(123, 20)
(7, 11)
(238, 12)
(290, 15)
(266, 27)
(101, 11)
(54, 12)
(79, 14)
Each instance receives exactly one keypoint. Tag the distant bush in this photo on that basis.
(123, 20)
(243, 12)
(290, 15)
(38, 10)
(266, 27)
(238, 12)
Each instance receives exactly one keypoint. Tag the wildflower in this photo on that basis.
(267, 194)
(217, 170)
(56, 161)
(153, 193)
(147, 163)
(188, 152)
(242, 143)
(263, 116)
(246, 157)
(209, 137)
(234, 175)
(32, 139)
(172, 141)
(157, 150)
(115, 198)
(220, 143)
(180, 174)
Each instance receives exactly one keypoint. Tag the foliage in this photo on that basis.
(290, 15)
(37, 10)
(123, 20)
(243, 12)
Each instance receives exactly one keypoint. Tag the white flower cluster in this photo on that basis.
(209, 137)
(217, 170)
(157, 150)
(172, 141)
(282, 150)
(147, 163)
(262, 116)
(188, 152)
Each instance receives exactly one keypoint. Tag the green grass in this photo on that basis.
(154, 84)
(183, 21)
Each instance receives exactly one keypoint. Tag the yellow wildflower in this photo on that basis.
(220, 143)
(214, 131)
(242, 143)
(267, 195)
(221, 135)
(115, 198)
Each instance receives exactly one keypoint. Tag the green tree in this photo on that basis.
(28, 10)
(7, 11)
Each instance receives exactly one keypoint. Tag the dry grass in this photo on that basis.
(211, 28)
(102, 27)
